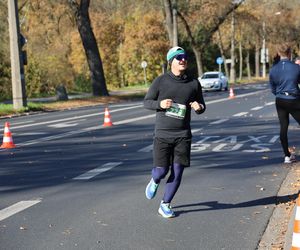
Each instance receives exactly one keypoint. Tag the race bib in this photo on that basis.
(176, 111)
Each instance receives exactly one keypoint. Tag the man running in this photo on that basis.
(172, 95)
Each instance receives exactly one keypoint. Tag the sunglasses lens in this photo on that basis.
(181, 57)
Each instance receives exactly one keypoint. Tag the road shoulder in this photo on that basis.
(278, 233)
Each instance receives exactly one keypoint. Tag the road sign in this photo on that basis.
(219, 60)
(144, 64)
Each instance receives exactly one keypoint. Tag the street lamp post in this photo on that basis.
(17, 64)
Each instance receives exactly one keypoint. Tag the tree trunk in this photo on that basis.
(175, 28)
(257, 48)
(232, 64)
(196, 50)
(241, 61)
(198, 56)
(89, 42)
(169, 20)
(248, 65)
(220, 44)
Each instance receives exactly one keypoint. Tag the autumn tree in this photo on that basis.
(201, 20)
(143, 40)
(80, 10)
(47, 29)
(5, 84)
(109, 31)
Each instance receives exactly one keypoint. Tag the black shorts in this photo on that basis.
(167, 151)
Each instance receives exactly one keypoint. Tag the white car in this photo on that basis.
(213, 80)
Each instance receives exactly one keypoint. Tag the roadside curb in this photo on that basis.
(289, 232)
(278, 233)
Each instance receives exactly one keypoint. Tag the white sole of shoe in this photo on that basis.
(149, 198)
(160, 212)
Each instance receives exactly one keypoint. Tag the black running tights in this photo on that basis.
(285, 107)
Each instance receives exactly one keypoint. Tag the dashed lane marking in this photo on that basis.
(240, 114)
(146, 149)
(16, 208)
(96, 171)
(116, 110)
(194, 131)
(134, 119)
(70, 118)
(30, 133)
(257, 108)
(269, 103)
(219, 121)
(19, 123)
(66, 124)
(49, 138)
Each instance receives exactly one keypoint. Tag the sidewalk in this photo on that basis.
(279, 231)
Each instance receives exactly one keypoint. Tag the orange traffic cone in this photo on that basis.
(231, 93)
(107, 120)
(7, 138)
(296, 232)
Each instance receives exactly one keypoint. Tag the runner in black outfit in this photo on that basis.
(172, 95)
(284, 79)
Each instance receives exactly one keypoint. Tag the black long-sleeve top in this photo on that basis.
(182, 90)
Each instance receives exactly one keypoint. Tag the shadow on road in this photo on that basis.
(215, 205)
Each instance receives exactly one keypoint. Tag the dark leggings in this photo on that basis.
(173, 182)
(285, 107)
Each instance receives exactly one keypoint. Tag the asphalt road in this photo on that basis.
(73, 184)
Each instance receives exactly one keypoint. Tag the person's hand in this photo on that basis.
(165, 104)
(196, 106)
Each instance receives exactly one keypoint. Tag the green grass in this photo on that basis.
(8, 109)
(139, 86)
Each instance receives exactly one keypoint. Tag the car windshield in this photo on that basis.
(209, 76)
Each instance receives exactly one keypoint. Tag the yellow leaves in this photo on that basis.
(144, 39)
(77, 56)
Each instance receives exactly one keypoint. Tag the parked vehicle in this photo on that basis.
(213, 80)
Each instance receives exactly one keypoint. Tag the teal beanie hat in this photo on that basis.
(174, 52)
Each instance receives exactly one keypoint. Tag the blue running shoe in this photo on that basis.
(151, 189)
(165, 210)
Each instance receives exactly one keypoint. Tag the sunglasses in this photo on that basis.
(180, 57)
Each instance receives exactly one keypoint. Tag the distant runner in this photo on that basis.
(284, 79)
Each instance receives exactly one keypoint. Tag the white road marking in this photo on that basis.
(211, 165)
(116, 110)
(269, 103)
(134, 119)
(52, 137)
(72, 118)
(63, 125)
(19, 123)
(240, 114)
(257, 108)
(96, 171)
(194, 131)
(146, 149)
(237, 96)
(100, 127)
(16, 208)
(30, 133)
(274, 139)
(219, 121)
